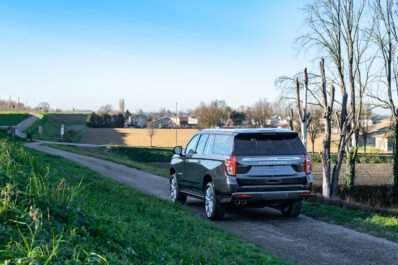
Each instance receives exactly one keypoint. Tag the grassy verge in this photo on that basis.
(365, 221)
(68, 214)
(12, 118)
(129, 156)
(75, 126)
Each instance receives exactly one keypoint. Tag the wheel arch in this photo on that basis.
(206, 179)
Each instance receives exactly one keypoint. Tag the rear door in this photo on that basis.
(189, 152)
(266, 159)
(195, 170)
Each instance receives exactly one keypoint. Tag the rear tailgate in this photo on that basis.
(269, 159)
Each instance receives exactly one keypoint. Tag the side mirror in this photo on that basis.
(177, 150)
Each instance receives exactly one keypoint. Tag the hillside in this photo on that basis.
(75, 126)
(12, 118)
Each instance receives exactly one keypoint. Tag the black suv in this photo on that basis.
(242, 167)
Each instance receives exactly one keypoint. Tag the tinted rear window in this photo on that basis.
(267, 144)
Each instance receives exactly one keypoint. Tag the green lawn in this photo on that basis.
(62, 213)
(75, 126)
(134, 157)
(366, 221)
(11, 119)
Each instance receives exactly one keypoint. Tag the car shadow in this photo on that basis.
(242, 214)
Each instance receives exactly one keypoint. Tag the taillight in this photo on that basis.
(230, 166)
(307, 164)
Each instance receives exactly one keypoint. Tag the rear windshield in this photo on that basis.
(268, 144)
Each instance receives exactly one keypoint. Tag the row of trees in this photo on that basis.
(218, 113)
(105, 120)
(359, 43)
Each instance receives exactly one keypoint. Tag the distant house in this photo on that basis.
(274, 121)
(181, 121)
(384, 142)
(277, 122)
(163, 123)
(193, 122)
(138, 121)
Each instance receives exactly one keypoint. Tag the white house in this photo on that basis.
(138, 121)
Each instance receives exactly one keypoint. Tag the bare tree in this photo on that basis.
(212, 114)
(314, 127)
(302, 107)
(334, 28)
(151, 131)
(385, 38)
(366, 116)
(107, 109)
(327, 108)
(260, 113)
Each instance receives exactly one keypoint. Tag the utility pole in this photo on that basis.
(176, 123)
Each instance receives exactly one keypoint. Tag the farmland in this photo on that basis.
(12, 118)
(137, 137)
(75, 126)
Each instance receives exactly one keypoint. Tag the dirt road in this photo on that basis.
(302, 240)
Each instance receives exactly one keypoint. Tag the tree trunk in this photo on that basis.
(365, 141)
(313, 145)
(395, 163)
(350, 171)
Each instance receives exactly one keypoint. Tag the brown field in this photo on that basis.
(137, 137)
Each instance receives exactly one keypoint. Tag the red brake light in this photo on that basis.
(307, 164)
(230, 166)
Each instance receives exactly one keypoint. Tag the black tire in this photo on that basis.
(292, 209)
(213, 209)
(175, 195)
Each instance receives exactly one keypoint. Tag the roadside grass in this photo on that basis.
(134, 157)
(12, 118)
(104, 223)
(364, 221)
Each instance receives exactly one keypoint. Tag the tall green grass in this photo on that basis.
(12, 118)
(68, 214)
(37, 212)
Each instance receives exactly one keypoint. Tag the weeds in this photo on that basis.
(37, 211)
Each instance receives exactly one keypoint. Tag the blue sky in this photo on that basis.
(152, 53)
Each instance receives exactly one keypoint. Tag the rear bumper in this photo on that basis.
(266, 197)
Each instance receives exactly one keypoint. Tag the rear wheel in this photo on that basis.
(292, 209)
(214, 210)
(175, 195)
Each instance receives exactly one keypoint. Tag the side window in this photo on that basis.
(202, 144)
(223, 144)
(192, 144)
(209, 144)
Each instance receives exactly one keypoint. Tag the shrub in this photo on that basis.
(379, 196)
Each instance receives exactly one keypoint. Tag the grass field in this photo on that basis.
(135, 157)
(137, 137)
(366, 221)
(12, 118)
(70, 215)
(75, 126)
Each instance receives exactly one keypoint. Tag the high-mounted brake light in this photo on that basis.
(230, 166)
(307, 164)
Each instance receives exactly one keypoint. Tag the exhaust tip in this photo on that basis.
(237, 202)
(243, 202)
